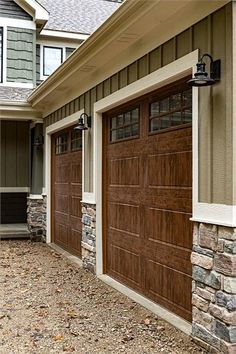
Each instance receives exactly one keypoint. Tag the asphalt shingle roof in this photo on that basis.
(14, 93)
(79, 16)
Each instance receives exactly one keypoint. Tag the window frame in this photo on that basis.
(56, 44)
(51, 47)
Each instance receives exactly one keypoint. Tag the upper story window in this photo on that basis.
(52, 58)
(1, 54)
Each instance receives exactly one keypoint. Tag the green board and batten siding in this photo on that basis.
(213, 35)
(8, 8)
(14, 154)
(21, 55)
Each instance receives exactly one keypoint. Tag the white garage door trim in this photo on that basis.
(61, 124)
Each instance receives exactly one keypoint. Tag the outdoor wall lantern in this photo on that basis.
(39, 141)
(201, 76)
(81, 124)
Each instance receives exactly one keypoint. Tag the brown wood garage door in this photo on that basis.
(67, 190)
(148, 196)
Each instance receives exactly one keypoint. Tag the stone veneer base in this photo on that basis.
(88, 244)
(36, 218)
(214, 287)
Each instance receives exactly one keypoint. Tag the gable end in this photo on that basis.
(8, 8)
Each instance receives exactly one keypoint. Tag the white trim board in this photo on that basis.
(13, 22)
(166, 315)
(64, 35)
(61, 124)
(158, 78)
(14, 189)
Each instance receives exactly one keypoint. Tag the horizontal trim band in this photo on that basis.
(14, 189)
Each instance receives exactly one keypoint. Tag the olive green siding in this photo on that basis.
(212, 35)
(20, 55)
(38, 81)
(8, 8)
(14, 154)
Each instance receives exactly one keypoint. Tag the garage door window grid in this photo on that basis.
(124, 125)
(76, 140)
(171, 111)
(61, 143)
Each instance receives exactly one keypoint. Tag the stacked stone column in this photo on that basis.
(36, 218)
(88, 244)
(214, 287)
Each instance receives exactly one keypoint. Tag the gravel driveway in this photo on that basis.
(48, 305)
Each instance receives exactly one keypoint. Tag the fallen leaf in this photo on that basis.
(58, 338)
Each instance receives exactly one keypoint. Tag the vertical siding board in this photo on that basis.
(76, 104)
(219, 108)
(230, 197)
(114, 83)
(143, 66)
(3, 153)
(100, 93)
(11, 172)
(22, 149)
(87, 104)
(202, 41)
(183, 43)
(155, 59)
(168, 52)
(123, 78)
(81, 102)
(132, 72)
(107, 87)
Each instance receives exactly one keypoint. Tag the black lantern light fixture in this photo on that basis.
(38, 141)
(201, 77)
(81, 122)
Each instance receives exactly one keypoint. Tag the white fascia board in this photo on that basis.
(13, 22)
(33, 8)
(18, 111)
(62, 34)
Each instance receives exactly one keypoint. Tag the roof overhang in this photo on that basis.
(34, 9)
(52, 34)
(136, 28)
(10, 110)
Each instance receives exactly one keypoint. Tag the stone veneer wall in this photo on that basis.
(214, 287)
(36, 218)
(88, 244)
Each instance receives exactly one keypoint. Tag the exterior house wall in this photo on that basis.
(10, 9)
(20, 55)
(211, 35)
(14, 154)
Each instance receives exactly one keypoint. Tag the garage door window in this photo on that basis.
(171, 111)
(76, 140)
(61, 143)
(125, 125)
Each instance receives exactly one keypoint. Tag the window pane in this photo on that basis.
(120, 133)
(135, 115)
(127, 118)
(176, 119)
(187, 114)
(135, 129)
(165, 122)
(154, 109)
(52, 59)
(127, 132)
(175, 101)
(1, 53)
(164, 105)
(113, 122)
(120, 120)
(154, 125)
(187, 98)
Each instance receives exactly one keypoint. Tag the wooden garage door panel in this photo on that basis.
(125, 218)
(148, 201)
(125, 264)
(166, 169)
(164, 225)
(125, 171)
(165, 287)
(67, 192)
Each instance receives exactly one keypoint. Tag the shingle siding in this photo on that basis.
(20, 55)
(8, 8)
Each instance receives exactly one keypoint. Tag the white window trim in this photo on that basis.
(14, 22)
(52, 45)
(53, 128)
